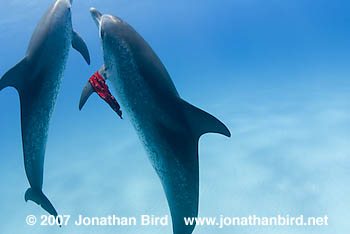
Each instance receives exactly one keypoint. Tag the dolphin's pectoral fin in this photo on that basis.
(97, 83)
(79, 44)
(201, 122)
(14, 77)
(87, 91)
(39, 198)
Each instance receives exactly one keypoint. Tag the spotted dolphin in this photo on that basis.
(37, 78)
(168, 126)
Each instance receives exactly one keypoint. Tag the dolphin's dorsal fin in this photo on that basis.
(14, 76)
(201, 122)
(79, 44)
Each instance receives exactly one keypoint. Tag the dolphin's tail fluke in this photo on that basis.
(39, 198)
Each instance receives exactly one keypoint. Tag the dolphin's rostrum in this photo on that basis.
(37, 78)
(168, 126)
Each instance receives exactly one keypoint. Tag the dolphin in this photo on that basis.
(37, 78)
(168, 126)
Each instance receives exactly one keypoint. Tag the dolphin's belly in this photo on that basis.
(37, 109)
(172, 152)
(47, 65)
(37, 105)
(160, 125)
(169, 147)
(139, 97)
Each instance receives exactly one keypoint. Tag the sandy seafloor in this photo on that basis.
(276, 72)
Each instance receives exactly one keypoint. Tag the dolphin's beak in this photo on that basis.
(96, 15)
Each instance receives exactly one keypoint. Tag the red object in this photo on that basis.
(99, 84)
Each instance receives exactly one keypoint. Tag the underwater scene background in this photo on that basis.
(277, 73)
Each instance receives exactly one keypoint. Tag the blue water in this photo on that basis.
(276, 72)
